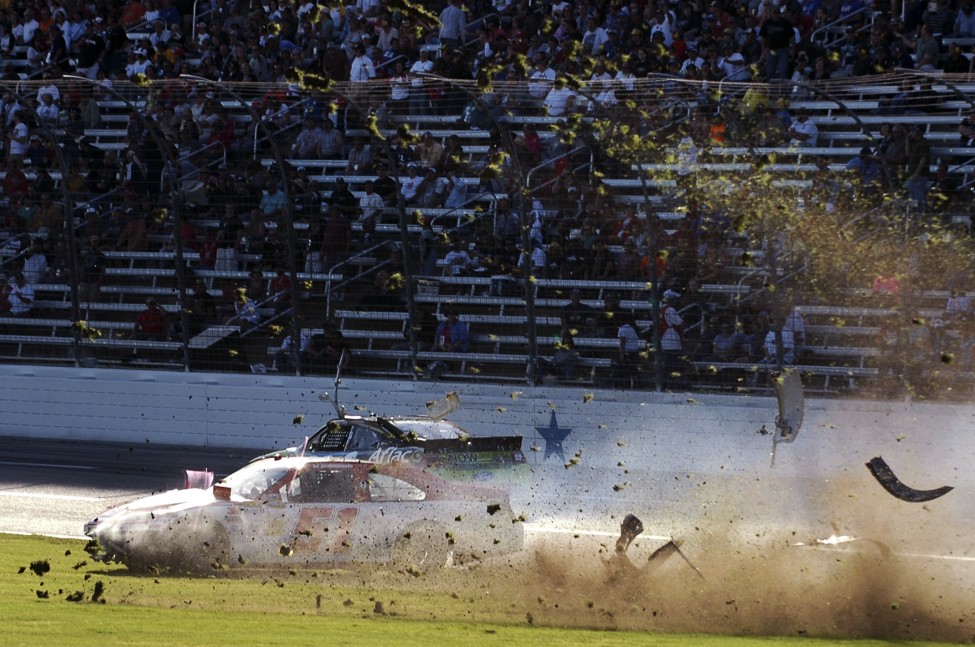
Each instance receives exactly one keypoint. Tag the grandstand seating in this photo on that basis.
(843, 348)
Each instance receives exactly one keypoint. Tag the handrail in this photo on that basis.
(272, 117)
(392, 60)
(349, 261)
(840, 21)
(480, 21)
(528, 176)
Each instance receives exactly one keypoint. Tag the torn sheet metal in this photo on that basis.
(788, 392)
(439, 409)
(885, 476)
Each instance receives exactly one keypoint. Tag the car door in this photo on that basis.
(319, 514)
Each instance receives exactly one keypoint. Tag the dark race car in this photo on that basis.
(439, 445)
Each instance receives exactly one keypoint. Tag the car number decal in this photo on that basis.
(314, 531)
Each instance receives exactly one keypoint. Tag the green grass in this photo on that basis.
(377, 606)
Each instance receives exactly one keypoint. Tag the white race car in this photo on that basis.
(310, 511)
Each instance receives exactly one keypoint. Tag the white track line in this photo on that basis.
(43, 495)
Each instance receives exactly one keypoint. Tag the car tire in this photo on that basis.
(423, 548)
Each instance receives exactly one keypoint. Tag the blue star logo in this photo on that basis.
(553, 435)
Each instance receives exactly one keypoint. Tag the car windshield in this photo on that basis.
(253, 480)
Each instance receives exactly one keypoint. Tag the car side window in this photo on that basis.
(323, 486)
(387, 488)
(364, 439)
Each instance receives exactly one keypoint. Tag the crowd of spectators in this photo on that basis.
(575, 230)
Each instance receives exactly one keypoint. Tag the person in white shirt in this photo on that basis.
(410, 185)
(803, 132)
(371, 204)
(419, 99)
(560, 100)
(35, 264)
(19, 138)
(362, 68)
(28, 28)
(595, 37)
(48, 113)
(541, 78)
(21, 296)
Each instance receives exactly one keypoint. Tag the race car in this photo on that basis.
(310, 511)
(440, 445)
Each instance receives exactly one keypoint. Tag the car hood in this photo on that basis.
(161, 503)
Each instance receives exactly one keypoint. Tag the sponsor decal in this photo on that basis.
(394, 454)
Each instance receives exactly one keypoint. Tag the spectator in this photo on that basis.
(360, 157)
(18, 138)
(429, 151)
(361, 69)
(453, 24)
(246, 314)
(308, 144)
(927, 51)
(285, 359)
(671, 330)
(35, 263)
(452, 336)
(803, 132)
(965, 21)
(771, 345)
(410, 186)
(629, 351)
(331, 139)
(327, 351)
(457, 262)
(150, 324)
(576, 316)
(918, 167)
(726, 346)
(433, 191)
(371, 205)
(21, 296)
(563, 363)
(777, 38)
(280, 290)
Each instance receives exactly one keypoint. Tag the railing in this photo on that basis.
(829, 27)
(365, 253)
(258, 139)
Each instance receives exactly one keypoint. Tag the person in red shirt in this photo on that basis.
(151, 322)
(281, 289)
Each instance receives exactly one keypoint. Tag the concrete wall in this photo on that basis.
(676, 457)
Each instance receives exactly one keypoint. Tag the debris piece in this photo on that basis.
(438, 409)
(297, 419)
(40, 567)
(587, 398)
(96, 594)
(630, 529)
(885, 476)
(493, 508)
(43, 595)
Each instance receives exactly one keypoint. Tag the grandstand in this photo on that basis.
(636, 187)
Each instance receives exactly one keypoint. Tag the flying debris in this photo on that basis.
(621, 566)
(885, 476)
(788, 392)
(439, 409)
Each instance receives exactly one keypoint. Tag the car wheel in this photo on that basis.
(423, 548)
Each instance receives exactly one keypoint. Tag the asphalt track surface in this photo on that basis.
(52, 487)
